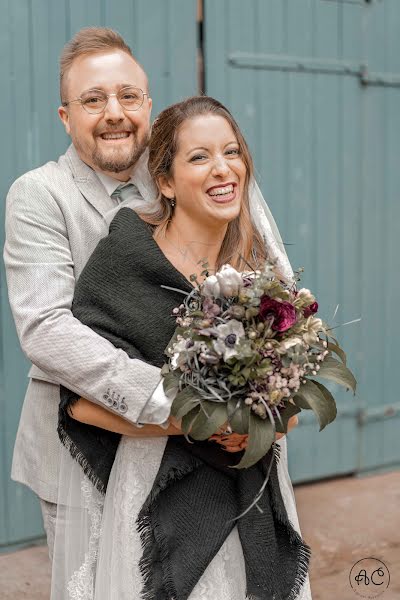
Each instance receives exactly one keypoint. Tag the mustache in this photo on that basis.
(113, 128)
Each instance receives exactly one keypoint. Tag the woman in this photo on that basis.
(166, 527)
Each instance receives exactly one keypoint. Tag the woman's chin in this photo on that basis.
(225, 213)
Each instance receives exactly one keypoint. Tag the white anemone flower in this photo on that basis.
(182, 351)
(229, 336)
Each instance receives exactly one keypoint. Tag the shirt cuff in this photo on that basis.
(157, 409)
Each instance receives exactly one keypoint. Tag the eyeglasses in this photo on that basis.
(95, 101)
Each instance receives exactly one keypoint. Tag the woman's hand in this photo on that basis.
(234, 442)
(231, 442)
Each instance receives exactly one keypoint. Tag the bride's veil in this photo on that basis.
(80, 505)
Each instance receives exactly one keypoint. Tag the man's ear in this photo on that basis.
(64, 116)
(166, 186)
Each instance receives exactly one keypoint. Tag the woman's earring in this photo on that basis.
(173, 202)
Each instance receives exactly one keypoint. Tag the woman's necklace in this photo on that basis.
(184, 253)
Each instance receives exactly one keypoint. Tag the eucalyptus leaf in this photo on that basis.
(171, 384)
(315, 396)
(260, 440)
(209, 420)
(327, 394)
(184, 402)
(188, 419)
(330, 337)
(338, 351)
(238, 417)
(335, 371)
(289, 411)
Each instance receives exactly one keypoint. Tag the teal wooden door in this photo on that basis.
(162, 34)
(315, 85)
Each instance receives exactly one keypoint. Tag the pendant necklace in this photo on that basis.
(185, 255)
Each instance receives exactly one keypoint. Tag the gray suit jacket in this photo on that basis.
(55, 216)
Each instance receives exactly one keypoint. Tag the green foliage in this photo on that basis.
(238, 416)
(260, 440)
(189, 418)
(171, 383)
(184, 402)
(335, 371)
(209, 419)
(315, 396)
(338, 351)
(286, 414)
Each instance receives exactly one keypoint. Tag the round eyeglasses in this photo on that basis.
(95, 101)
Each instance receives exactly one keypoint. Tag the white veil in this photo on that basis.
(80, 505)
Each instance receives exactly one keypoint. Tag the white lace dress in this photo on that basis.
(110, 548)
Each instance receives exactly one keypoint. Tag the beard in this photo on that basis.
(120, 159)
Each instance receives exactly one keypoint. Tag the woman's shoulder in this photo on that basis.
(128, 235)
(128, 230)
(127, 220)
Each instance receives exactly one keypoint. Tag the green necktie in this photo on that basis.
(124, 192)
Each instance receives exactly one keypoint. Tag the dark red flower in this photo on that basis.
(283, 313)
(310, 310)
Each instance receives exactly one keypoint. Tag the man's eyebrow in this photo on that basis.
(93, 89)
(99, 88)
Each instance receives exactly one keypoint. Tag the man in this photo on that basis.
(55, 217)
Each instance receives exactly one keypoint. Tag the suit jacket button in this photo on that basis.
(123, 407)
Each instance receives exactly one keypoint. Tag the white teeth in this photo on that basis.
(228, 189)
(114, 136)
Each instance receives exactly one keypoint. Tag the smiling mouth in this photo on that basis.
(121, 135)
(222, 193)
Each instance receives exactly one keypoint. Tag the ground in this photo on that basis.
(343, 520)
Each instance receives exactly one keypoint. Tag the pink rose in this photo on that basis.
(283, 313)
(310, 310)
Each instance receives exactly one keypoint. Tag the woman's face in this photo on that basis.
(208, 172)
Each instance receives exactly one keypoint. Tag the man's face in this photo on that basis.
(111, 141)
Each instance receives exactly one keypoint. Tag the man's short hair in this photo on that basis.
(89, 40)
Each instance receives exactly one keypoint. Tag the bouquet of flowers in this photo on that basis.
(245, 354)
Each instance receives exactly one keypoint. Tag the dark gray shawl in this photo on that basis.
(196, 494)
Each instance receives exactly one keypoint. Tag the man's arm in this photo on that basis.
(41, 281)
(93, 414)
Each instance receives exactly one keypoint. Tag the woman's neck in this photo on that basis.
(190, 244)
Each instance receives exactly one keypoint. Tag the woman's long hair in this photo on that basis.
(243, 245)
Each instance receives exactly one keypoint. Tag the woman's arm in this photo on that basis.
(92, 414)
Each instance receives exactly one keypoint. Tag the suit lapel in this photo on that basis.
(88, 183)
